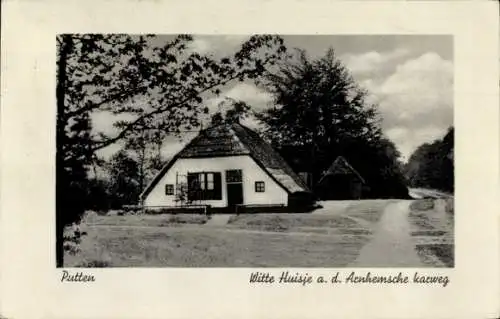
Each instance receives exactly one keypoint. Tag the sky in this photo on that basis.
(409, 77)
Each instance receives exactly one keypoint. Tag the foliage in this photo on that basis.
(235, 111)
(322, 113)
(99, 192)
(431, 165)
(125, 180)
(145, 147)
(73, 237)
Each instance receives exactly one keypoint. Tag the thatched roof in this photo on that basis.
(341, 167)
(219, 140)
(232, 140)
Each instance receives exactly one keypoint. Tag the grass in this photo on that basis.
(204, 247)
(428, 233)
(94, 264)
(422, 205)
(444, 252)
(289, 221)
(422, 222)
(330, 239)
(144, 219)
(370, 211)
(427, 216)
(432, 224)
(318, 224)
(420, 211)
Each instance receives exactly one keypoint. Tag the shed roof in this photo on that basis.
(341, 167)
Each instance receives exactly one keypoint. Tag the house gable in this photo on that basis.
(274, 193)
(236, 140)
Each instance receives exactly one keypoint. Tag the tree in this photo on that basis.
(117, 73)
(235, 111)
(431, 164)
(145, 147)
(99, 193)
(321, 113)
(125, 179)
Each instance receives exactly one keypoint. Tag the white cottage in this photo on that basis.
(226, 166)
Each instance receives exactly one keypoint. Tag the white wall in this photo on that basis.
(274, 194)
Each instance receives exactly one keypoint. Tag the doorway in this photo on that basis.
(234, 182)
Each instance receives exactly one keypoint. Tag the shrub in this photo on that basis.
(73, 234)
(71, 247)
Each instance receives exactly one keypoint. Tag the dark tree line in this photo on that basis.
(322, 113)
(431, 165)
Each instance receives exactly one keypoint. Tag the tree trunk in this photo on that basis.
(65, 49)
(141, 168)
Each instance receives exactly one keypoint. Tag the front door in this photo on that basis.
(234, 194)
(234, 182)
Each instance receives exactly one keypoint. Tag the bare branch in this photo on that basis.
(93, 106)
(101, 144)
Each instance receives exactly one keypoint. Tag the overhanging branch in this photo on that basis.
(131, 125)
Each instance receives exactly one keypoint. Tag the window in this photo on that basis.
(201, 181)
(210, 181)
(204, 186)
(234, 176)
(260, 187)
(169, 189)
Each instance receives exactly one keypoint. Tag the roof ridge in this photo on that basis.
(235, 135)
(280, 161)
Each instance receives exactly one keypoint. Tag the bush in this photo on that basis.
(174, 210)
(71, 247)
(132, 209)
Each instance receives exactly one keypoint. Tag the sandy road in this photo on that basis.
(392, 244)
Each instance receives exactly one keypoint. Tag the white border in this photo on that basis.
(30, 286)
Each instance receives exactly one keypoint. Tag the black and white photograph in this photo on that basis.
(258, 159)
(257, 150)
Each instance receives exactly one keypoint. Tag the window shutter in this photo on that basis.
(217, 186)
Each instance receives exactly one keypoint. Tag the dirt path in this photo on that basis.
(391, 245)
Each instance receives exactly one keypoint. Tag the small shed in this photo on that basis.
(340, 181)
